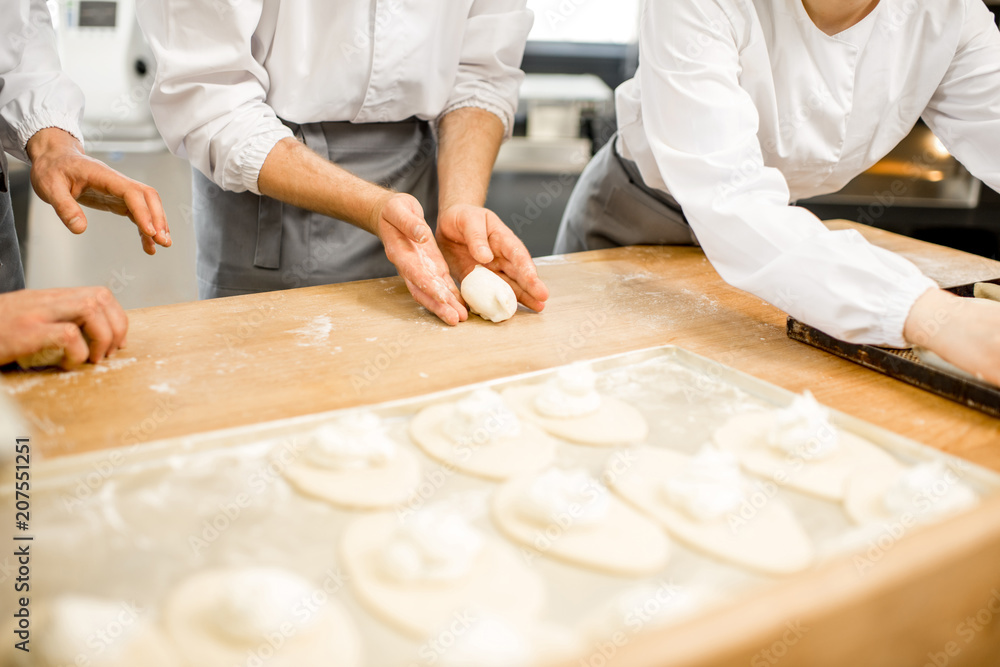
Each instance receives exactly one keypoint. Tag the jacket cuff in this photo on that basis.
(45, 118)
(242, 173)
(898, 306)
(505, 115)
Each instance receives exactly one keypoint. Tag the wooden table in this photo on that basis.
(229, 362)
(194, 367)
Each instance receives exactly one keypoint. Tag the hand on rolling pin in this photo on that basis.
(85, 322)
(65, 177)
(962, 331)
(472, 235)
(409, 245)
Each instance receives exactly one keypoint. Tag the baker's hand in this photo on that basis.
(86, 322)
(472, 235)
(409, 245)
(963, 331)
(65, 177)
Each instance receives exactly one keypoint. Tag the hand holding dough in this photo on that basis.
(488, 295)
(49, 356)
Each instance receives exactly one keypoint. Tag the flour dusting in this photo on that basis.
(316, 332)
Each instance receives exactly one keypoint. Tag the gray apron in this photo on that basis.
(248, 243)
(611, 206)
(11, 271)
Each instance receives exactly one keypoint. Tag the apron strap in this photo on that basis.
(267, 254)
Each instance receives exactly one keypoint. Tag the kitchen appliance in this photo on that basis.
(104, 52)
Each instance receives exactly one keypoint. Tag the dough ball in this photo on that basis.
(480, 436)
(801, 448)
(421, 572)
(489, 295)
(50, 356)
(569, 516)
(353, 463)
(221, 617)
(80, 629)
(767, 538)
(986, 291)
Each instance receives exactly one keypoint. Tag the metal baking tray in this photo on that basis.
(119, 523)
(906, 366)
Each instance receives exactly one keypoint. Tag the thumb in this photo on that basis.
(408, 218)
(477, 239)
(69, 211)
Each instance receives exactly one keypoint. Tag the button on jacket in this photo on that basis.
(740, 107)
(227, 72)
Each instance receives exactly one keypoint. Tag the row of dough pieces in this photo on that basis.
(416, 574)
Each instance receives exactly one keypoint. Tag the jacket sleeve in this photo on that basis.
(34, 91)
(964, 112)
(208, 98)
(489, 75)
(702, 129)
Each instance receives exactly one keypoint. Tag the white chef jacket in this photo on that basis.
(227, 71)
(740, 107)
(34, 91)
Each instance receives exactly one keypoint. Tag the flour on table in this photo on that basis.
(315, 332)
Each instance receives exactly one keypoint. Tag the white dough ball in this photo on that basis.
(489, 295)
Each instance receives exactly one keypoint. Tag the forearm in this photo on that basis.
(296, 175)
(468, 142)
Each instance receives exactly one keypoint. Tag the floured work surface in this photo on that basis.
(132, 534)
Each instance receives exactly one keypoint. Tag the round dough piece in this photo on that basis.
(746, 436)
(768, 539)
(496, 459)
(614, 423)
(353, 463)
(489, 295)
(499, 581)
(623, 542)
(376, 487)
(934, 492)
(102, 632)
(310, 633)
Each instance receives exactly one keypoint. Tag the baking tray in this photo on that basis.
(119, 523)
(905, 365)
